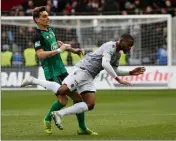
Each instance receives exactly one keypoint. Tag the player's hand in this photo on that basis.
(123, 82)
(78, 51)
(60, 43)
(65, 47)
(138, 71)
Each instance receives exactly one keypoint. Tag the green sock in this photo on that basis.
(54, 107)
(81, 120)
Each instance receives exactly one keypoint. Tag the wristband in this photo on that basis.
(60, 50)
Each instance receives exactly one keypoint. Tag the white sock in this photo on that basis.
(74, 109)
(52, 86)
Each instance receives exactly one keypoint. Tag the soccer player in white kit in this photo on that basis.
(106, 57)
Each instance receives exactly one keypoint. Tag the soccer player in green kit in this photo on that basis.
(48, 50)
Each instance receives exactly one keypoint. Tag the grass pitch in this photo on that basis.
(118, 115)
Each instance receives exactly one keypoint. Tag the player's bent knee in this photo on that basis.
(91, 106)
(63, 90)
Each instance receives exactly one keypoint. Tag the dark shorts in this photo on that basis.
(59, 78)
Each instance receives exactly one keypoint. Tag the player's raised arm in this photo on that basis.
(107, 54)
(39, 49)
(45, 54)
(107, 66)
(67, 47)
(136, 71)
(121, 72)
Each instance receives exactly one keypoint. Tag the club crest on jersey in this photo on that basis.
(54, 46)
(37, 44)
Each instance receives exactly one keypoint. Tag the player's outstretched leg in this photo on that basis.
(53, 86)
(30, 80)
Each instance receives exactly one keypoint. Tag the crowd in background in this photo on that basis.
(96, 7)
(16, 42)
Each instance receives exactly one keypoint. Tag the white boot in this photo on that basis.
(27, 81)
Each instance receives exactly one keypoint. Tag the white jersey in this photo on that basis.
(92, 62)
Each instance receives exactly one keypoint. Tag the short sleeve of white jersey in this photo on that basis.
(109, 50)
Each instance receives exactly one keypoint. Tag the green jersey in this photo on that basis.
(52, 66)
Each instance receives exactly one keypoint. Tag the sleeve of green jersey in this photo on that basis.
(37, 41)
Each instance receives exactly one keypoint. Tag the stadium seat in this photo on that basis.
(17, 59)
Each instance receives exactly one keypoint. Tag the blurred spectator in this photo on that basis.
(68, 9)
(68, 34)
(163, 11)
(169, 8)
(5, 42)
(174, 13)
(138, 7)
(30, 55)
(6, 57)
(50, 8)
(148, 10)
(20, 39)
(124, 12)
(162, 56)
(29, 8)
(60, 6)
(30, 32)
(110, 7)
(21, 13)
(82, 8)
(7, 5)
(129, 7)
(12, 13)
(17, 59)
(73, 5)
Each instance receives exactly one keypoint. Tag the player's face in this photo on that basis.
(126, 45)
(43, 19)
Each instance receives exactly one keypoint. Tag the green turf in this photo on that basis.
(118, 115)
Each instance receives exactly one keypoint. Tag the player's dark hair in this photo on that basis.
(127, 37)
(37, 10)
